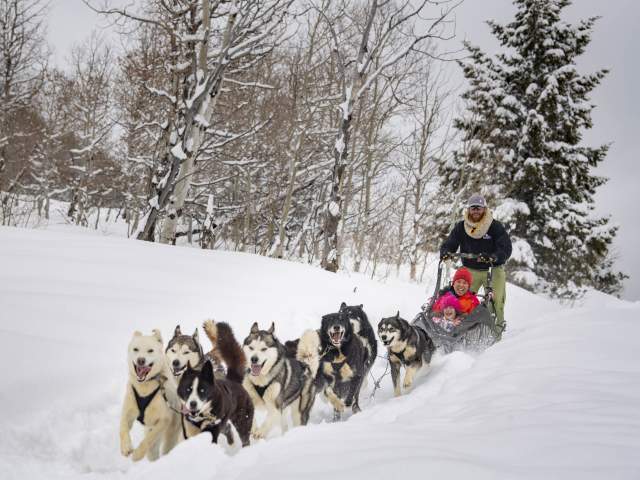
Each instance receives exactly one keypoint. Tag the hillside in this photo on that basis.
(558, 398)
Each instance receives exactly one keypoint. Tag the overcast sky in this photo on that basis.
(617, 98)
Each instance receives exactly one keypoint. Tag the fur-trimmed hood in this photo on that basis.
(480, 229)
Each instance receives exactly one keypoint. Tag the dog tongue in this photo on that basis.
(255, 369)
(141, 371)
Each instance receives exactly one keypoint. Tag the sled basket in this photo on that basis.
(476, 332)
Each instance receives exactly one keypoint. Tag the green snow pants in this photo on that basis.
(498, 281)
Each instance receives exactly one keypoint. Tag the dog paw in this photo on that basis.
(138, 454)
(125, 447)
(407, 385)
(258, 434)
(397, 392)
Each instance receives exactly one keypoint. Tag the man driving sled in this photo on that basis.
(479, 233)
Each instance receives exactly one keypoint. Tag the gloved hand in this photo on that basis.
(487, 258)
(446, 256)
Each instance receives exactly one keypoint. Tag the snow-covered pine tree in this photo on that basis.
(522, 135)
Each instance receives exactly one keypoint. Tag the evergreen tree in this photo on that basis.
(522, 134)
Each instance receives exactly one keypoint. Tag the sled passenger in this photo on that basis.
(462, 280)
(479, 233)
(449, 317)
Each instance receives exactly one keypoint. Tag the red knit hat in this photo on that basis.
(463, 274)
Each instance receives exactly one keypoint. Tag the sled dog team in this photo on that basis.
(179, 391)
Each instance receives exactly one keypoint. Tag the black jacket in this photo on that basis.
(495, 242)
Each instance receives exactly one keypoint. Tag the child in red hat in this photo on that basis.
(460, 289)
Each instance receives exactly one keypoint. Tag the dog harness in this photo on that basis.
(143, 402)
(211, 423)
(261, 389)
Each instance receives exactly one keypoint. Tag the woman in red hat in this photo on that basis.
(462, 279)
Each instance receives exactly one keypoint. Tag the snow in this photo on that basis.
(557, 398)
(178, 152)
(334, 209)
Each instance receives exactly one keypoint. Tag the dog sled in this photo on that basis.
(477, 331)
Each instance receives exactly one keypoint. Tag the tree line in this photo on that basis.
(314, 130)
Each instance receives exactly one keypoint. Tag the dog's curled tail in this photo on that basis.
(309, 350)
(226, 348)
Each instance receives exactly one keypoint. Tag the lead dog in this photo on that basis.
(214, 405)
(149, 383)
(407, 346)
(277, 380)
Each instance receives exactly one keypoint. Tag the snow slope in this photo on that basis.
(558, 398)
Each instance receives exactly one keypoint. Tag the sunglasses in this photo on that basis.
(476, 207)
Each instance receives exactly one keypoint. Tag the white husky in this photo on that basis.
(149, 389)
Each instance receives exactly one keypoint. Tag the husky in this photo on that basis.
(363, 329)
(408, 346)
(276, 380)
(187, 349)
(150, 383)
(214, 405)
(182, 350)
(343, 364)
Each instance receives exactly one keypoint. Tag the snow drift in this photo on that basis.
(557, 398)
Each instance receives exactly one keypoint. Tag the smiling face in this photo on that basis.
(261, 349)
(181, 351)
(476, 213)
(336, 329)
(449, 313)
(145, 356)
(390, 332)
(460, 286)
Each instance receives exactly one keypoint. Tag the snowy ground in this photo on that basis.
(558, 398)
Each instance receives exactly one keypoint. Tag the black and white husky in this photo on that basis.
(214, 405)
(408, 346)
(348, 352)
(277, 381)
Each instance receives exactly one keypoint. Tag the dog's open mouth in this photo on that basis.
(336, 337)
(142, 371)
(192, 414)
(256, 368)
(386, 343)
(178, 370)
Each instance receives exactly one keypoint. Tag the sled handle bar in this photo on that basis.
(471, 256)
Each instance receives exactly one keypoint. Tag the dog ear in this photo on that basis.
(177, 332)
(398, 315)
(195, 336)
(207, 371)
(255, 328)
(157, 334)
(343, 306)
(272, 328)
(361, 305)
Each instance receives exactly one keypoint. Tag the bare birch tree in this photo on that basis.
(357, 74)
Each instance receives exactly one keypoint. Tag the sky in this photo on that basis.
(617, 98)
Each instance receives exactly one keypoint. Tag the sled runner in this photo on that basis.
(478, 329)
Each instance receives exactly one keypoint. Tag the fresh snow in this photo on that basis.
(557, 398)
